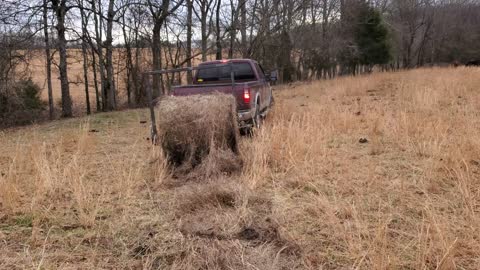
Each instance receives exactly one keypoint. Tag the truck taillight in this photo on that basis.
(246, 95)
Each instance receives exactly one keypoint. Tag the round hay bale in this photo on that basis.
(192, 127)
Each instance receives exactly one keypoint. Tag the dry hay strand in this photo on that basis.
(199, 134)
(220, 193)
(223, 210)
(232, 254)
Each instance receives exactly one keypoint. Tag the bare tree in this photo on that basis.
(98, 47)
(159, 12)
(84, 20)
(130, 78)
(233, 27)
(48, 59)
(60, 8)
(243, 26)
(218, 30)
(189, 38)
(111, 93)
(411, 20)
(95, 81)
(205, 20)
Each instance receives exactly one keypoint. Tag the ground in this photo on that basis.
(372, 172)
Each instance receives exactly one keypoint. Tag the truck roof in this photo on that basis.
(223, 61)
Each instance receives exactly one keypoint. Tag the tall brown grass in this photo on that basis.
(92, 193)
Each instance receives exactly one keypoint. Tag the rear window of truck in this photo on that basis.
(212, 73)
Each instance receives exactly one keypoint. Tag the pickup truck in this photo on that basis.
(243, 78)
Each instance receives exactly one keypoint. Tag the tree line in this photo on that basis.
(302, 40)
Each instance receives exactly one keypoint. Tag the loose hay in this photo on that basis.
(199, 134)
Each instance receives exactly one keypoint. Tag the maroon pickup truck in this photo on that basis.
(243, 78)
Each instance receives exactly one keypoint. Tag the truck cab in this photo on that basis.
(245, 79)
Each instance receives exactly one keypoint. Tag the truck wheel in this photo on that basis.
(272, 100)
(245, 131)
(257, 120)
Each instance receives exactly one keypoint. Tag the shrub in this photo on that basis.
(21, 103)
(29, 93)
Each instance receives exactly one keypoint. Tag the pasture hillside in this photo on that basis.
(369, 172)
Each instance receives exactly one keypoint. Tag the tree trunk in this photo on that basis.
(217, 24)
(204, 34)
(157, 59)
(101, 63)
(159, 18)
(60, 11)
(138, 94)
(85, 76)
(95, 82)
(48, 59)
(111, 105)
(243, 26)
(232, 43)
(85, 58)
(189, 40)
(233, 29)
(129, 62)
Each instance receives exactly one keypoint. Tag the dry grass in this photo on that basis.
(309, 196)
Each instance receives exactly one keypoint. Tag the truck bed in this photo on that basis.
(242, 78)
(236, 89)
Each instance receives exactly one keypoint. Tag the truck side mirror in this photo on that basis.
(272, 77)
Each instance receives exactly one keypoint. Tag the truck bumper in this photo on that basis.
(245, 118)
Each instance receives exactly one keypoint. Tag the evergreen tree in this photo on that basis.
(372, 37)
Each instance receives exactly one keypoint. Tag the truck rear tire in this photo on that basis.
(256, 123)
(257, 119)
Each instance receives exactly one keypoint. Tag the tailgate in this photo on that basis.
(204, 89)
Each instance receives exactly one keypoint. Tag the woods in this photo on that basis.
(302, 40)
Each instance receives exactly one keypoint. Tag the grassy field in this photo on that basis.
(92, 193)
